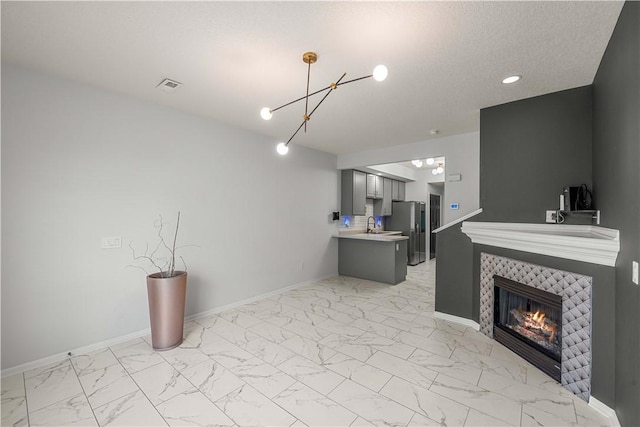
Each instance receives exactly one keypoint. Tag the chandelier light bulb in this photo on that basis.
(430, 161)
(282, 148)
(434, 171)
(266, 113)
(439, 169)
(380, 73)
(417, 163)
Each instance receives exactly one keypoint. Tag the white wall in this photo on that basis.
(79, 163)
(417, 190)
(462, 156)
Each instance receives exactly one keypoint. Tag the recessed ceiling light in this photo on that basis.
(511, 79)
(434, 131)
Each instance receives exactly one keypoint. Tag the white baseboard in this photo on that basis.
(605, 410)
(142, 333)
(455, 319)
(81, 350)
(254, 299)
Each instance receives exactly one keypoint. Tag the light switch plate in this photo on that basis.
(634, 272)
(111, 242)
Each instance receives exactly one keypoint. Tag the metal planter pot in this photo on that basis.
(166, 309)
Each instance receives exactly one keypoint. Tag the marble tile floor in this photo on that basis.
(340, 352)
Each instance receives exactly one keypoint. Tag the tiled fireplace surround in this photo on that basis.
(575, 290)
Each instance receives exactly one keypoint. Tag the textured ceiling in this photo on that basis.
(445, 59)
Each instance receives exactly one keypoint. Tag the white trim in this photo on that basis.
(254, 299)
(455, 319)
(81, 350)
(605, 410)
(458, 221)
(145, 332)
(587, 243)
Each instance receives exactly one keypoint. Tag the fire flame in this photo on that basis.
(538, 318)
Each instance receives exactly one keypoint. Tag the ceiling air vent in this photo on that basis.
(169, 85)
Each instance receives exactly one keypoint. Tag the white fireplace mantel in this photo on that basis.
(587, 243)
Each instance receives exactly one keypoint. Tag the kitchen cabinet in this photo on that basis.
(401, 193)
(371, 186)
(383, 207)
(379, 187)
(354, 192)
(398, 191)
(374, 186)
(377, 258)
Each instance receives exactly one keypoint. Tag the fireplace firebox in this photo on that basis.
(528, 321)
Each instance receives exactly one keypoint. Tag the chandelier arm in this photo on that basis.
(354, 80)
(326, 94)
(296, 132)
(300, 99)
(305, 121)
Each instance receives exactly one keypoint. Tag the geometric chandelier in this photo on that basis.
(379, 74)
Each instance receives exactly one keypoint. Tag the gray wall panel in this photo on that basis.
(616, 176)
(454, 283)
(530, 150)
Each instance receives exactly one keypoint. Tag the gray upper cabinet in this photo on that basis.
(383, 207)
(395, 192)
(354, 192)
(371, 186)
(379, 187)
(398, 191)
(374, 186)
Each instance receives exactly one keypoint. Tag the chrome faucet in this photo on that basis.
(369, 230)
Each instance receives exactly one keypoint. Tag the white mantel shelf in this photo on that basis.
(586, 243)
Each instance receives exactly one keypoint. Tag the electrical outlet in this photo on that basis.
(552, 217)
(111, 242)
(634, 272)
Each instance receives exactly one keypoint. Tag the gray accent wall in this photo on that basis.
(454, 280)
(530, 150)
(616, 177)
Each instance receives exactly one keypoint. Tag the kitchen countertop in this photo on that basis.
(385, 236)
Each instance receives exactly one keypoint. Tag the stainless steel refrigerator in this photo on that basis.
(410, 218)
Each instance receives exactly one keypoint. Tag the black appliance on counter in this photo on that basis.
(577, 198)
(410, 218)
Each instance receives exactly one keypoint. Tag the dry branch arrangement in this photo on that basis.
(163, 256)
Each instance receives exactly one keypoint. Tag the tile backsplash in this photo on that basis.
(358, 222)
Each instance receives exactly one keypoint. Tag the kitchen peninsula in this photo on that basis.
(378, 256)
